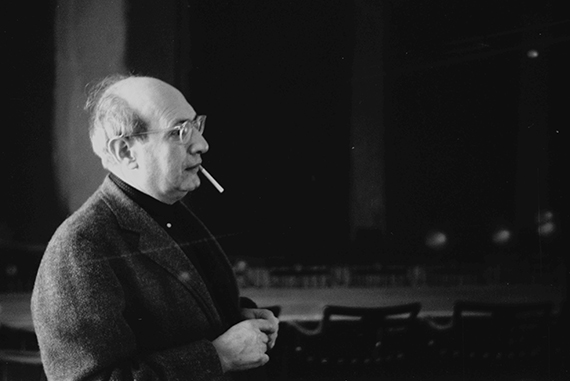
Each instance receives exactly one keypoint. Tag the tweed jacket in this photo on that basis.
(115, 298)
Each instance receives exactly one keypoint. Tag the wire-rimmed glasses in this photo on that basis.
(183, 132)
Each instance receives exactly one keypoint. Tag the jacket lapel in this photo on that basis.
(152, 241)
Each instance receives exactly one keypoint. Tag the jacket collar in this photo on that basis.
(151, 240)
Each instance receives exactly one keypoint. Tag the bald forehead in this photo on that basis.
(137, 90)
(127, 85)
(159, 104)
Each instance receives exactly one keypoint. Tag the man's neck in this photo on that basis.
(134, 182)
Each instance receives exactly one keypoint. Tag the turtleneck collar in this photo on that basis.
(157, 209)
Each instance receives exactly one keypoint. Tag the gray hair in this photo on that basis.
(110, 117)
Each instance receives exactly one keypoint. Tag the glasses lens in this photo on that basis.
(200, 123)
(186, 129)
(185, 133)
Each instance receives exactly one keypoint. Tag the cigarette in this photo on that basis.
(212, 180)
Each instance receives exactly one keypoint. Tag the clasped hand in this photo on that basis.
(245, 344)
(257, 313)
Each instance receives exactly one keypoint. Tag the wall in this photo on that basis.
(29, 208)
(90, 44)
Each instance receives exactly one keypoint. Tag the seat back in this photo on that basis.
(355, 342)
(372, 333)
(502, 337)
(505, 327)
(371, 317)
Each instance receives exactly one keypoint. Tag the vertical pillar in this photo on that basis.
(90, 44)
(532, 191)
(367, 211)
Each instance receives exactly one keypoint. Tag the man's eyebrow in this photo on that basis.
(180, 121)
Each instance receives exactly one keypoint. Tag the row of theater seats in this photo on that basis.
(480, 341)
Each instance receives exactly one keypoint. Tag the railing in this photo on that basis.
(375, 275)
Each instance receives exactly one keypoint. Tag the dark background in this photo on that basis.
(29, 210)
(274, 78)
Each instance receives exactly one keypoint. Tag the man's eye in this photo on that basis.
(184, 132)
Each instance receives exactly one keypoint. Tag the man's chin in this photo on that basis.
(192, 184)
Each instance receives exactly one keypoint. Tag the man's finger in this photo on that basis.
(264, 314)
(263, 325)
(264, 338)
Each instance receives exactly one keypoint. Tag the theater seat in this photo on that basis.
(494, 338)
(355, 342)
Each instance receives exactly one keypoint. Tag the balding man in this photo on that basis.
(133, 286)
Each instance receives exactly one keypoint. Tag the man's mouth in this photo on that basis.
(193, 168)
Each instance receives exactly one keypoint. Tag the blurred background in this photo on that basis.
(344, 132)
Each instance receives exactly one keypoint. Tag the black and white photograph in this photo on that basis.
(285, 190)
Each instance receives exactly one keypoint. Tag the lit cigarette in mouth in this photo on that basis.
(212, 180)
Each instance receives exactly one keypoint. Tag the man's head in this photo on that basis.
(135, 130)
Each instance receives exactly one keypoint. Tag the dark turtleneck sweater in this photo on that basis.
(181, 227)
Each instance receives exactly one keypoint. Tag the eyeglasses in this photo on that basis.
(182, 132)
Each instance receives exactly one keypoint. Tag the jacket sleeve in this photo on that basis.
(78, 312)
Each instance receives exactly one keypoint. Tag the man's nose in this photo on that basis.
(198, 144)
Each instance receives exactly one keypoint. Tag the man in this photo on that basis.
(132, 286)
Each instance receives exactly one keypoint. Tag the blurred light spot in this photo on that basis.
(436, 240)
(546, 229)
(240, 266)
(184, 276)
(544, 216)
(502, 236)
(546, 223)
(532, 53)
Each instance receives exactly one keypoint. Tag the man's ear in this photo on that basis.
(122, 151)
